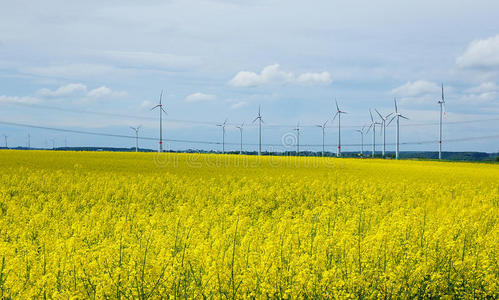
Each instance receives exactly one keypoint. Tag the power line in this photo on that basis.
(218, 143)
(267, 125)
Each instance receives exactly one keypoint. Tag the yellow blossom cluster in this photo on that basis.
(147, 225)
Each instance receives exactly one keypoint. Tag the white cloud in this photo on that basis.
(199, 97)
(73, 71)
(16, 99)
(151, 59)
(315, 78)
(239, 105)
(274, 75)
(64, 90)
(146, 104)
(485, 92)
(481, 54)
(484, 88)
(100, 92)
(104, 91)
(416, 89)
(80, 90)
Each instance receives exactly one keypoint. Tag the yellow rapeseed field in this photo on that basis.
(125, 225)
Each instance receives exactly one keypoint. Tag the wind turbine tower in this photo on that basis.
(398, 116)
(297, 129)
(136, 129)
(161, 111)
(323, 127)
(240, 127)
(373, 126)
(361, 131)
(6, 144)
(260, 121)
(383, 130)
(442, 109)
(223, 134)
(338, 113)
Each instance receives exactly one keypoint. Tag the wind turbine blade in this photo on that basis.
(388, 115)
(255, 119)
(160, 97)
(369, 127)
(155, 107)
(396, 108)
(337, 107)
(379, 114)
(391, 120)
(325, 123)
(443, 92)
(371, 114)
(403, 117)
(335, 115)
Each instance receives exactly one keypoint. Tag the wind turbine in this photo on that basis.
(323, 127)
(161, 111)
(240, 127)
(373, 126)
(361, 131)
(29, 141)
(338, 113)
(397, 115)
(260, 121)
(223, 134)
(297, 129)
(136, 129)
(383, 129)
(6, 145)
(442, 111)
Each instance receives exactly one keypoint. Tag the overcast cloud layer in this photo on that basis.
(100, 66)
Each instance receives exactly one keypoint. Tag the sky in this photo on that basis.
(100, 66)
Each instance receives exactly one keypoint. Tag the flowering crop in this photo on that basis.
(127, 225)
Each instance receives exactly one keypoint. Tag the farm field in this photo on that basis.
(146, 225)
